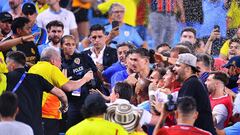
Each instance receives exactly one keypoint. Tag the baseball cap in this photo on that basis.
(188, 59)
(29, 8)
(234, 61)
(6, 17)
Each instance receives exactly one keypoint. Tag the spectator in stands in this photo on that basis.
(225, 47)
(21, 40)
(170, 86)
(163, 20)
(122, 75)
(30, 12)
(15, 8)
(55, 33)
(130, 9)
(204, 64)
(29, 88)
(102, 55)
(236, 105)
(233, 22)
(5, 25)
(41, 5)
(55, 12)
(122, 50)
(186, 115)
(49, 69)
(141, 90)
(221, 103)
(233, 66)
(189, 34)
(163, 47)
(139, 60)
(186, 69)
(93, 109)
(156, 76)
(8, 111)
(126, 33)
(234, 48)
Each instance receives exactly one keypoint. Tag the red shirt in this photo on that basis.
(182, 130)
(227, 102)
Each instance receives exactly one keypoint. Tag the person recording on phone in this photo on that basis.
(120, 32)
(186, 114)
(214, 42)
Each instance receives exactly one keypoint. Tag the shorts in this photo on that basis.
(81, 14)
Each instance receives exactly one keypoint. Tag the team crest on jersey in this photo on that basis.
(77, 61)
(126, 33)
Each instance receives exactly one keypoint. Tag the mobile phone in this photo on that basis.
(217, 27)
(115, 24)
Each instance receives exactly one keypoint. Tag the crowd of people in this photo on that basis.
(118, 67)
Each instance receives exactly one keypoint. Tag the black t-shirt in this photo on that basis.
(194, 88)
(77, 66)
(28, 48)
(29, 97)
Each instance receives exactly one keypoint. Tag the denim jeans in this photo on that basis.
(163, 27)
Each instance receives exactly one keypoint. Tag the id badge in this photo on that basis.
(77, 92)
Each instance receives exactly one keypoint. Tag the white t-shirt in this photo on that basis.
(15, 128)
(236, 105)
(98, 59)
(65, 16)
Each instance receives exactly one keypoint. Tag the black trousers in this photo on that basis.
(50, 126)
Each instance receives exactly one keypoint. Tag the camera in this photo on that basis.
(170, 105)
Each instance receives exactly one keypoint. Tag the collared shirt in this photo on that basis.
(109, 72)
(99, 58)
(126, 34)
(118, 77)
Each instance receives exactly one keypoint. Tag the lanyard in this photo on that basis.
(19, 83)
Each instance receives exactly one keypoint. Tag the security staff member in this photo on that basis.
(75, 65)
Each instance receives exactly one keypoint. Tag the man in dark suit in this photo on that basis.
(102, 55)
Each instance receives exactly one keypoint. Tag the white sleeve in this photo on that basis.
(39, 21)
(73, 24)
(146, 118)
(220, 112)
(236, 104)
